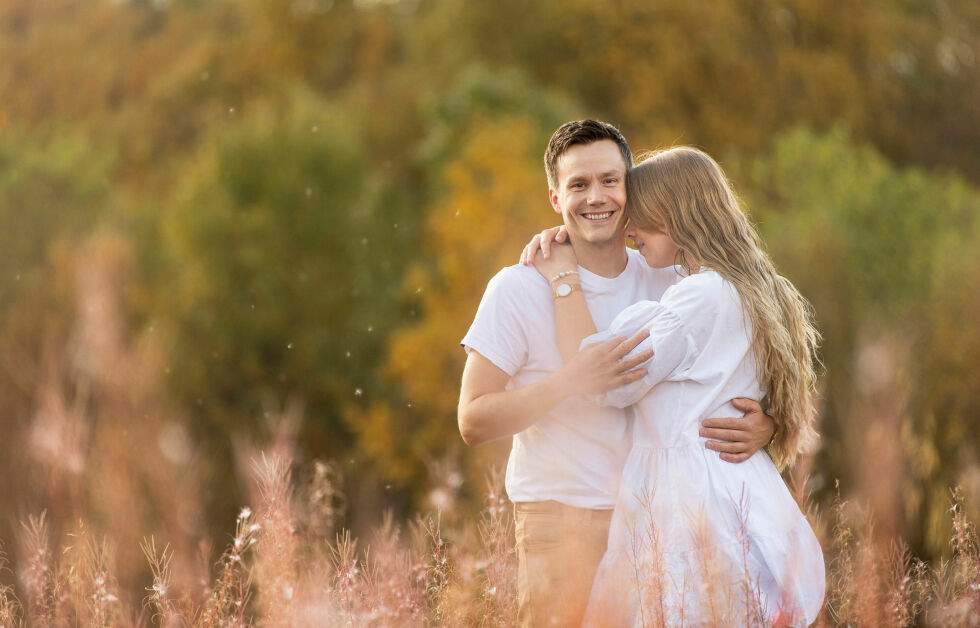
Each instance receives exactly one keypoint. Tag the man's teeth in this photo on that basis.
(601, 216)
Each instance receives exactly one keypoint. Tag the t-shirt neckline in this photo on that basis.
(594, 281)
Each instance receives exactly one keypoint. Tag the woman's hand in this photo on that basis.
(542, 242)
(561, 259)
(602, 366)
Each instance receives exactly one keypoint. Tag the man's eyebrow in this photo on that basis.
(602, 175)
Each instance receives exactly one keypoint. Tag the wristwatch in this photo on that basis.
(565, 289)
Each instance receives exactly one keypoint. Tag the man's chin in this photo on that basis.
(610, 235)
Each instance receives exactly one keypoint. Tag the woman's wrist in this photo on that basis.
(562, 275)
(565, 283)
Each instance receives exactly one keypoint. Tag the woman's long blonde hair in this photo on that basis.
(683, 192)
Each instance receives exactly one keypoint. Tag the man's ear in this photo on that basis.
(553, 197)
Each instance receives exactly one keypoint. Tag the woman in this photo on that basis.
(694, 539)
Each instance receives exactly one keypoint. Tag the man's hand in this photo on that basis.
(602, 366)
(739, 438)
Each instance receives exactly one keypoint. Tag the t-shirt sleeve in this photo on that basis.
(679, 325)
(497, 332)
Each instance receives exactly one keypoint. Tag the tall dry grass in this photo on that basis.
(279, 570)
(112, 535)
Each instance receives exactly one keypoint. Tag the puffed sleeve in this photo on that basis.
(679, 326)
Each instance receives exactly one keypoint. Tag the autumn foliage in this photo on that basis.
(228, 228)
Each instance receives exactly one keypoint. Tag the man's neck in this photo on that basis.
(607, 259)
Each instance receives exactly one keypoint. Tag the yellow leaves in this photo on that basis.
(497, 191)
(495, 200)
(426, 360)
(380, 437)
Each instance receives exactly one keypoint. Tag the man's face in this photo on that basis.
(591, 191)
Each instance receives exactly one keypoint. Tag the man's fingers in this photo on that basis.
(726, 447)
(562, 234)
(734, 457)
(746, 405)
(725, 435)
(728, 423)
(629, 378)
(634, 360)
(612, 344)
(627, 345)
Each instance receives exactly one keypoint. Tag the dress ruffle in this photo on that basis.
(708, 541)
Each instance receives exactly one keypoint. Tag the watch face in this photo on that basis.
(564, 290)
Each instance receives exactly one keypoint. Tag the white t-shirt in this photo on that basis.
(575, 453)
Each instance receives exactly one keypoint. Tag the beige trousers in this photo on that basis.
(559, 548)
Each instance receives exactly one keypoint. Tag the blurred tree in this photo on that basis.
(730, 73)
(286, 252)
(488, 138)
(51, 195)
(249, 150)
(888, 258)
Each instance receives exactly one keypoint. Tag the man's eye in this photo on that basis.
(612, 181)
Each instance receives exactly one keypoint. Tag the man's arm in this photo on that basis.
(487, 411)
(739, 438)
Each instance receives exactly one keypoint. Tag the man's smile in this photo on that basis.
(597, 216)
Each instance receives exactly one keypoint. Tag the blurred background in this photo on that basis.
(237, 226)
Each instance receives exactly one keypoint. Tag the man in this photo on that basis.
(567, 453)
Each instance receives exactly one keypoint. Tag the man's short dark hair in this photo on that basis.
(581, 132)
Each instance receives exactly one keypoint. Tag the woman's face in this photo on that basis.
(655, 246)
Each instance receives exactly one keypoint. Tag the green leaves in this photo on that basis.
(889, 259)
(286, 248)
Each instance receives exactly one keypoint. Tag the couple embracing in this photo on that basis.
(642, 495)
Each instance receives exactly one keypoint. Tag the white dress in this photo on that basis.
(696, 540)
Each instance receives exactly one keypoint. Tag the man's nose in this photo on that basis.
(596, 195)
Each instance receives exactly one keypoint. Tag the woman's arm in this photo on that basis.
(737, 438)
(573, 321)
